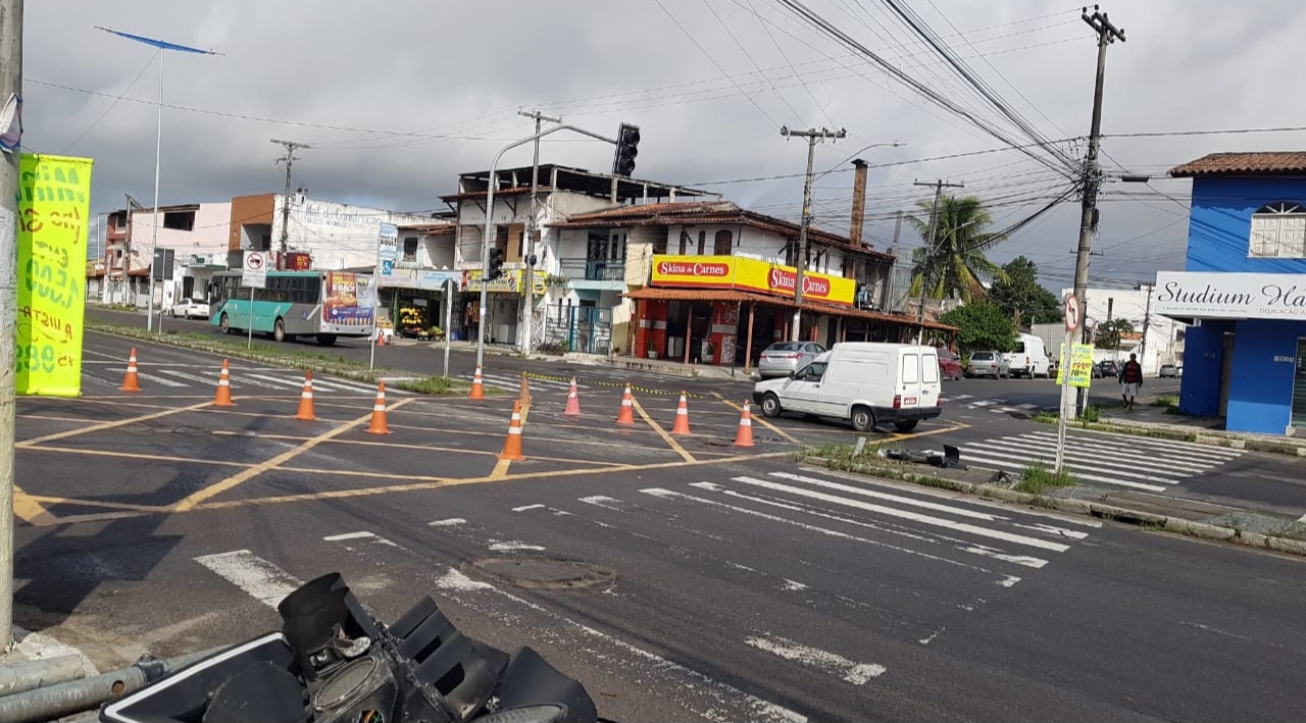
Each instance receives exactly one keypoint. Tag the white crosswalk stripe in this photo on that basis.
(1140, 463)
(159, 380)
(503, 381)
(247, 379)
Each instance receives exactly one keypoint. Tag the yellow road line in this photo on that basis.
(912, 435)
(240, 478)
(422, 447)
(108, 425)
(97, 517)
(758, 418)
(50, 500)
(28, 509)
(138, 455)
(671, 441)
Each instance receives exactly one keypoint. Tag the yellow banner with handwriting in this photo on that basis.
(1081, 366)
(54, 210)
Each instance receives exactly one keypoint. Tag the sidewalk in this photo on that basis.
(1164, 421)
(653, 366)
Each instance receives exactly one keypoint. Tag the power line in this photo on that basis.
(112, 105)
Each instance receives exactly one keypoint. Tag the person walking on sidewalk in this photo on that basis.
(1131, 378)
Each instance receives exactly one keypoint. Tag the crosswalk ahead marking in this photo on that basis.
(1133, 462)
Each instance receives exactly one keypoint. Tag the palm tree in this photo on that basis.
(955, 264)
(1110, 332)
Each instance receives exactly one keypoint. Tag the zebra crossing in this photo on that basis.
(1142, 463)
(186, 378)
(560, 382)
(997, 406)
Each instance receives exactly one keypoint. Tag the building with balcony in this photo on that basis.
(578, 276)
(190, 245)
(1243, 291)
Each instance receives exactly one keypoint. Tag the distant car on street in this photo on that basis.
(190, 309)
(786, 357)
(1106, 369)
(949, 365)
(1168, 370)
(988, 364)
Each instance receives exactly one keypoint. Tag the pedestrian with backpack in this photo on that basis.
(1131, 379)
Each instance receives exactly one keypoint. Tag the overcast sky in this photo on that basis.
(399, 96)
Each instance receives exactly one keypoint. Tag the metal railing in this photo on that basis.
(594, 269)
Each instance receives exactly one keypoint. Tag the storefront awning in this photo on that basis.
(813, 307)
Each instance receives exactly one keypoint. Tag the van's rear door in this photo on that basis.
(909, 377)
(930, 386)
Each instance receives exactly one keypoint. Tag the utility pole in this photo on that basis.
(11, 84)
(939, 185)
(1092, 174)
(532, 233)
(1147, 321)
(812, 135)
(289, 158)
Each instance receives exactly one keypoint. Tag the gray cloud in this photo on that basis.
(432, 89)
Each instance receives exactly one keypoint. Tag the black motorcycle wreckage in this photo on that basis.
(334, 662)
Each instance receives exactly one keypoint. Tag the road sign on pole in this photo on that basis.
(254, 273)
(1067, 355)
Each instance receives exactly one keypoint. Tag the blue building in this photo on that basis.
(1243, 289)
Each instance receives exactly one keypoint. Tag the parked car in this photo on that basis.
(865, 383)
(786, 357)
(190, 309)
(988, 364)
(1168, 370)
(1106, 369)
(949, 365)
(1030, 359)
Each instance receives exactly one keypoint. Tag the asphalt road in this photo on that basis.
(714, 582)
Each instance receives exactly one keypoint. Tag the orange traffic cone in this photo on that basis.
(512, 445)
(573, 401)
(524, 396)
(478, 386)
(380, 338)
(682, 417)
(306, 399)
(745, 436)
(223, 397)
(627, 413)
(378, 425)
(130, 383)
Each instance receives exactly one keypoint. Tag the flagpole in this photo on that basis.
(154, 223)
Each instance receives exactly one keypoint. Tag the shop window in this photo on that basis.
(722, 243)
(1279, 231)
(410, 248)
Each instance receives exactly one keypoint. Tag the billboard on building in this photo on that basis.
(745, 274)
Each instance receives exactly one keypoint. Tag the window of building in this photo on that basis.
(684, 242)
(722, 243)
(1279, 231)
(410, 248)
(179, 220)
(702, 242)
(516, 232)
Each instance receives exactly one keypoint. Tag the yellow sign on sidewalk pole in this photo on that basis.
(54, 210)
(1081, 366)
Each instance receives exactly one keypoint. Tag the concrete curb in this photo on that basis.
(1160, 523)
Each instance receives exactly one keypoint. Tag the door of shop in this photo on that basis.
(586, 329)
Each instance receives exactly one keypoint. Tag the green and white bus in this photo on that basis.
(322, 304)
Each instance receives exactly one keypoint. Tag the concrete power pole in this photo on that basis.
(532, 234)
(939, 185)
(11, 84)
(289, 159)
(1092, 174)
(812, 136)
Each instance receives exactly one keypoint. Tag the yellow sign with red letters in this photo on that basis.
(745, 274)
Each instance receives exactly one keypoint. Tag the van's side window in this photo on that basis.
(911, 368)
(814, 372)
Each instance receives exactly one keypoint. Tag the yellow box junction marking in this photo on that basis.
(758, 418)
(671, 441)
(107, 425)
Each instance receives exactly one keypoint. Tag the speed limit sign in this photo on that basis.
(1072, 313)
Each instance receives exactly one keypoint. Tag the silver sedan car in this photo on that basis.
(988, 364)
(785, 357)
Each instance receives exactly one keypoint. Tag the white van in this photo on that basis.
(865, 383)
(1030, 359)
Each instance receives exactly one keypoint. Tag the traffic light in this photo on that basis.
(495, 269)
(623, 162)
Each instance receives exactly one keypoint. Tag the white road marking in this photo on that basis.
(1020, 463)
(527, 507)
(601, 501)
(160, 380)
(1075, 460)
(986, 551)
(190, 377)
(1054, 530)
(451, 522)
(348, 536)
(855, 673)
(1156, 455)
(511, 546)
(669, 494)
(930, 638)
(958, 511)
(792, 585)
(1163, 444)
(264, 581)
(276, 381)
(906, 515)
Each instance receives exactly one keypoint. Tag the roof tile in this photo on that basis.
(1256, 163)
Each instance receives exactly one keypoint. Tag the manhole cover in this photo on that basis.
(546, 573)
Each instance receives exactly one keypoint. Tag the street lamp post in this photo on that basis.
(161, 46)
(489, 222)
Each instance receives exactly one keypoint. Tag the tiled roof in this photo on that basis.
(1258, 163)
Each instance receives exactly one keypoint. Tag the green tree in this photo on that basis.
(982, 326)
(1022, 297)
(954, 265)
(1110, 332)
